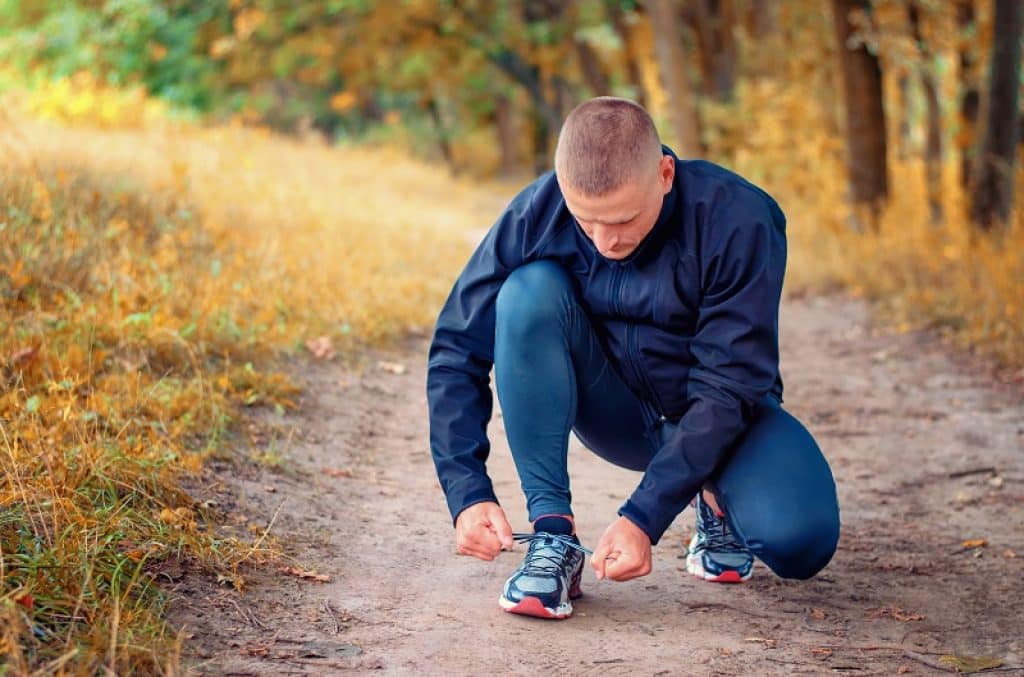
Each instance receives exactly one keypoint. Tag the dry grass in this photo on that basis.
(148, 279)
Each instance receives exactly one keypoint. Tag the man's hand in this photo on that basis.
(482, 531)
(624, 552)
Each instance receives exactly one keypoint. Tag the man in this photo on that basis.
(632, 298)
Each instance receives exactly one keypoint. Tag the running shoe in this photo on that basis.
(549, 577)
(715, 553)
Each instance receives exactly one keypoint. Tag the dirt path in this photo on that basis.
(927, 451)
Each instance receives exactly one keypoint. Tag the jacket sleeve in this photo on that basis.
(461, 354)
(736, 353)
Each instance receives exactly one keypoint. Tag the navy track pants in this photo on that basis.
(552, 377)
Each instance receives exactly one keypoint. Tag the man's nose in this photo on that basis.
(604, 239)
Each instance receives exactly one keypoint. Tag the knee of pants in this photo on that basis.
(783, 495)
(799, 548)
(533, 296)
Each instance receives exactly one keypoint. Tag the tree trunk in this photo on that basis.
(904, 127)
(672, 65)
(761, 27)
(970, 97)
(992, 185)
(633, 72)
(713, 23)
(593, 71)
(761, 19)
(442, 134)
(542, 137)
(865, 115)
(933, 138)
(508, 138)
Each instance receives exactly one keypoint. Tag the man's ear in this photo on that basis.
(667, 172)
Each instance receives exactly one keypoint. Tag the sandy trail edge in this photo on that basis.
(898, 416)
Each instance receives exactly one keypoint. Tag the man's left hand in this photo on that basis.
(624, 552)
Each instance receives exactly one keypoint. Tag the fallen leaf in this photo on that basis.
(254, 650)
(817, 614)
(896, 613)
(1009, 554)
(971, 663)
(321, 347)
(308, 575)
(903, 669)
(974, 543)
(179, 517)
(339, 472)
(768, 643)
(391, 367)
(27, 601)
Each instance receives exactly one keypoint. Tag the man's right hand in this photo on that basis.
(482, 531)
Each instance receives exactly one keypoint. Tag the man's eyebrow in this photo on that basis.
(617, 221)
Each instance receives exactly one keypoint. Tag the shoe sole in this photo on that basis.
(696, 569)
(531, 606)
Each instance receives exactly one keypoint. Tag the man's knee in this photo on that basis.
(533, 296)
(799, 547)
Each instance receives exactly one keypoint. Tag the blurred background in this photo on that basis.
(194, 189)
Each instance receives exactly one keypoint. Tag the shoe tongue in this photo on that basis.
(553, 524)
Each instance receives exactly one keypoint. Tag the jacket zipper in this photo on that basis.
(634, 359)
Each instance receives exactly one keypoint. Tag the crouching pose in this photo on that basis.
(632, 298)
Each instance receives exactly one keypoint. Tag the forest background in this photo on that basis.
(193, 189)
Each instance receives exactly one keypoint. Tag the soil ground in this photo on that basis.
(927, 447)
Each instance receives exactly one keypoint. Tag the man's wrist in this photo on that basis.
(631, 512)
(472, 498)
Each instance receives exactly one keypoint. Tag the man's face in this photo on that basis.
(618, 221)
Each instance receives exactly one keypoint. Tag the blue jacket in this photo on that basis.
(690, 320)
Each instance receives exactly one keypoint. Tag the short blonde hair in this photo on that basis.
(604, 143)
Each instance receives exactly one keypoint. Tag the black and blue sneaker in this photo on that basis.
(715, 553)
(549, 577)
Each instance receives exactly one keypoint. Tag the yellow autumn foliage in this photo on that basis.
(148, 279)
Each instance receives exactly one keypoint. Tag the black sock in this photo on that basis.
(553, 524)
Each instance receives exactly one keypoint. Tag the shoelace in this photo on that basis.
(539, 561)
(717, 536)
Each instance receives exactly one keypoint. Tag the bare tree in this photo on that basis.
(762, 28)
(865, 115)
(619, 21)
(713, 23)
(672, 64)
(970, 97)
(933, 138)
(992, 181)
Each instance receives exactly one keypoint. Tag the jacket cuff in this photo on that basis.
(481, 494)
(650, 524)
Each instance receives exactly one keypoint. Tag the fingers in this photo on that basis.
(624, 567)
(475, 551)
(623, 553)
(479, 540)
(599, 560)
(474, 534)
(500, 527)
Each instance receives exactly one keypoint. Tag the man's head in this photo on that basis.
(612, 173)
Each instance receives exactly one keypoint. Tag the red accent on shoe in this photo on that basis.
(726, 577)
(531, 606)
